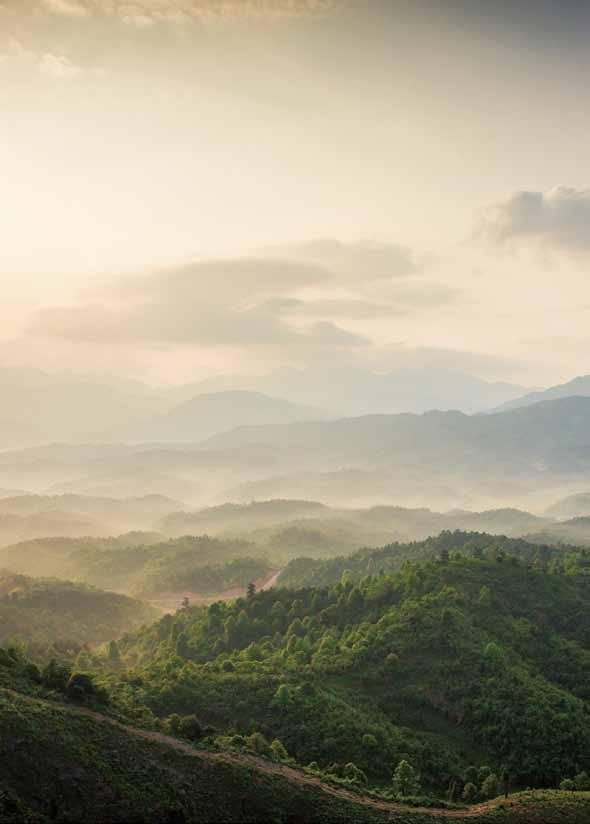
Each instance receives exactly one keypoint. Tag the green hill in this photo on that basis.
(198, 564)
(42, 612)
(64, 763)
(455, 661)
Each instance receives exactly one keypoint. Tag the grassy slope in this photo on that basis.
(61, 765)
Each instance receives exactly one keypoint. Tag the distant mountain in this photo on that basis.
(578, 387)
(210, 414)
(439, 456)
(358, 391)
(573, 506)
(38, 407)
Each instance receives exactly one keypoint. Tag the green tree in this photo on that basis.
(251, 591)
(405, 779)
(567, 784)
(582, 781)
(114, 654)
(278, 750)
(489, 788)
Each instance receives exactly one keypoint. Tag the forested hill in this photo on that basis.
(447, 662)
(41, 612)
(307, 572)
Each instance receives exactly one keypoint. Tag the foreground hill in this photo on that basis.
(455, 661)
(68, 764)
(41, 612)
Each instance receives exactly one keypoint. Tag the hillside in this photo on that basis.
(291, 527)
(200, 565)
(463, 659)
(41, 612)
(111, 515)
(148, 777)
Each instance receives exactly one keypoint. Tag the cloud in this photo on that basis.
(239, 302)
(145, 13)
(559, 218)
(68, 8)
(46, 64)
(360, 262)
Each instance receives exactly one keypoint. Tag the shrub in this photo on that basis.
(278, 750)
(258, 744)
(80, 686)
(352, 773)
(582, 781)
(190, 728)
(567, 784)
(469, 793)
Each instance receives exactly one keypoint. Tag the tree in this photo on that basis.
(114, 654)
(278, 750)
(582, 781)
(469, 793)
(471, 776)
(489, 788)
(55, 676)
(251, 591)
(567, 784)
(182, 646)
(405, 780)
(482, 774)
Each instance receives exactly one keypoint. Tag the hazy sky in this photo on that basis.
(197, 186)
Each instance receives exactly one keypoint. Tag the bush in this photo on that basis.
(190, 728)
(258, 744)
(405, 780)
(567, 784)
(352, 773)
(469, 793)
(80, 686)
(278, 750)
(582, 781)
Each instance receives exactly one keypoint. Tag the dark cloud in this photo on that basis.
(560, 218)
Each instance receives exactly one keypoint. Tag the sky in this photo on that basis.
(200, 187)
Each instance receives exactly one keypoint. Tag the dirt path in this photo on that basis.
(270, 582)
(268, 767)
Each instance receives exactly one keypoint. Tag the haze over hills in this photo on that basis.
(360, 391)
(79, 409)
(206, 415)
